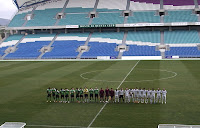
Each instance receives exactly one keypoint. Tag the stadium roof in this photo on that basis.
(26, 3)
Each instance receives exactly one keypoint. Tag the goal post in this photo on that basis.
(13, 125)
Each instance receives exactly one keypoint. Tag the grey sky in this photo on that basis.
(7, 9)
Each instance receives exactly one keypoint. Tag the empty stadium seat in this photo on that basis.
(183, 52)
(135, 50)
(180, 16)
(144, 17)
(181, 37)
(64, 49)
(108, 18)
(144, 36)
(101, 49)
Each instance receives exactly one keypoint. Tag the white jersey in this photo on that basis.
(158, 92)
(121, 92)
(116, 92)
(164, 92)
(135, 92)
(148, 92)
(127, 92)
(131, 92)
(143, 92)
(139, 92)
(153, 92)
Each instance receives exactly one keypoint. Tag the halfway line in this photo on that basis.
(117, 88)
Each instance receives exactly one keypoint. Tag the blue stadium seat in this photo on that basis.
(28, 50)
(111, 35)
(135, 50)
(101, 49)
(44, 17)
(75, 19)
(144, 36)
(144, 17)
(181, 37)
(64, 49)
(180, 16)
(183, 52)
(108, 18)
(18, 20)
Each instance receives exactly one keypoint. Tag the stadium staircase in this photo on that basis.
(85, 48)
(32, 12)
(47, 48)
(123, 44)
(63, 10)
(94, 11)
(12, 49)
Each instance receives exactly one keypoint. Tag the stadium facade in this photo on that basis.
(103, 29)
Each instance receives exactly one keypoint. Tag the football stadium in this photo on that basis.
(101, 63)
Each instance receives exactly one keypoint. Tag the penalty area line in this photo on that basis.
(117, 88)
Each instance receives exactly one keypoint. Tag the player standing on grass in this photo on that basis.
(101, 93)
(72, 91)
(139, 95)
(158, 97)
(153, 95)
(62, 93)
(77, 91)
(85, 91)
(127, 91)
(96, 93)
(116, 95)
(164, 94)
(91, 91)
(131, 95)
(49, 95)
(143, 95)
(67, 95)
(54, 94)
(57, 95)
(148, 96)
(81, 94)
(121, 95)
(134, 95)
(112, 93)
(107, 91)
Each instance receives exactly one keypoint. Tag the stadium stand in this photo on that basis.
(180, 16)
(101, 49)
(183, 52)
(181, 37)
(43, 17)
(142, 17)
(144, 36)
(104, 41)
(108, 18)
(135, 50)
(18, 20)
(64, 49)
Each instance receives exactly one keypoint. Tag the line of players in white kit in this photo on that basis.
(141, 95)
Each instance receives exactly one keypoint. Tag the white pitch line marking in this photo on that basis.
(164, 78)
(117, 88)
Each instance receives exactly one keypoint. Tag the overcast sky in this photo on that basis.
(7, 9)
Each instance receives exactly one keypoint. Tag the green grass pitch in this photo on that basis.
(23, 87)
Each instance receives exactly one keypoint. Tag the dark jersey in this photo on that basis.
(107, 92)
(112, 93)
(101, 92)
